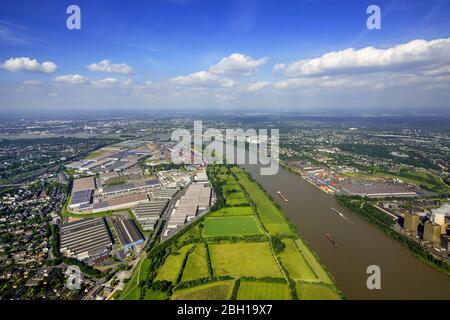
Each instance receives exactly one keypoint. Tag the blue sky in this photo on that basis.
(225, 55)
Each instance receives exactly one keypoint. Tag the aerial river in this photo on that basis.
(361, 244)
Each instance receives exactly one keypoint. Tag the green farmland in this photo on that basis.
(234, 211)
(316, 291)
(272, 218)
(244, 260)
(132, 290)
(155, 295)
(197, 264)
(263, 291)
(236, 199)
(231, 226)
(294, 260)
(171, 268)
(244, 249)
(220, 290)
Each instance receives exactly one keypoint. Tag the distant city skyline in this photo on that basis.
(310, 56)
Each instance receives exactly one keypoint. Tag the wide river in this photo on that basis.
(361, 244)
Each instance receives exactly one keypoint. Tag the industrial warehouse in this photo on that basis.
(148, 214)
(81, 198)
(127, 201)
(163, 193)
(195, 201)
(129, 235)
(82, 192)
(115, 158)
(375, 189)
(85, 239)
(89, 196)
(127, 187)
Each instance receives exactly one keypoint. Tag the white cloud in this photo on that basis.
(412, 74)
(257, 86)
(27, 64)
(417, 54)
(32, 82)
(108, 82)
(292, 84)
(443, 70)
(235, 64)
(72, 79)
(238, 64)
(202, 78)
(112, 83)
(109, 67)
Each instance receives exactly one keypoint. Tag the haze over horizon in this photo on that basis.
(267, 56)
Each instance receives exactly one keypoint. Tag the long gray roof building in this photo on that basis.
(85, 239)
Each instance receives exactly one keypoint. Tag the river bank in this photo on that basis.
(360, 243)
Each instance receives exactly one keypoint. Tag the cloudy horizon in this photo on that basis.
(348, 68)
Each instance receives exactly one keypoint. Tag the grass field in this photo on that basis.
(231, 187)
(220, 290)
(271, 217)
(224, 170)
(192, 235)
(316, 291)
(295, 263)
(222, 177)
(234, 211)
(144, 269)
(263, 291)
(426, 179)
(243, 259)
(236, 170)
(235, 199)
(132, 290)
(172, 265)
(155, 295)
(197, 264)
(313, 262)
(232, 257)
(134, 294)
(231, 226)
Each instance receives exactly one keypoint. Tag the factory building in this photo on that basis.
(82, 192)
(82, 184)
(106, 176)
(163, 193)
(85, 239)
(92, 166)
(120, 202)
(432, 233)
(201, 176)
(375, 189)
(128, 234)
(446, 243)
(196, 200)
(127, 187)
(204, 200)
(411, 223)
(438, 217)
(148, 214)
(80, 198)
